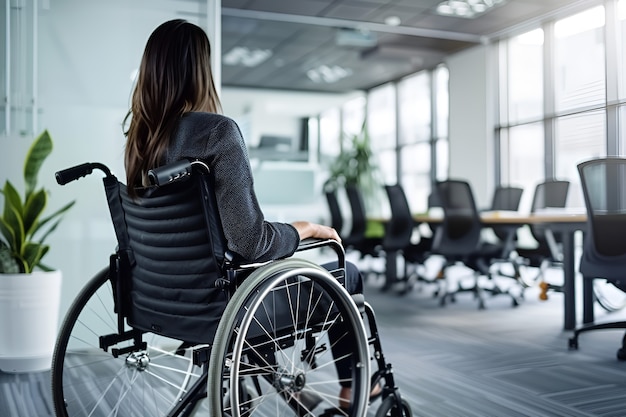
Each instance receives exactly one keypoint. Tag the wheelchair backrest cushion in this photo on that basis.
(173, 268)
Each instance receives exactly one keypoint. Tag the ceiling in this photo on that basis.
(352, 38)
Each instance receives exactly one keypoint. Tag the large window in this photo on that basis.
(578, 138)
(621, 50)
(407, 123)
(414, 138)
(621, 47)
(329, 136)
(440, 128)
(353, 116)
(579, 74)
(526, 169)
(381, 125)
(525, 77)
(555, 114)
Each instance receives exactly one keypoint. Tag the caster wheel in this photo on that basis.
(389, 408)
(621, 354)
(573, 344)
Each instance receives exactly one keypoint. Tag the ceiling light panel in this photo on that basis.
(466, 8)
(240, 55)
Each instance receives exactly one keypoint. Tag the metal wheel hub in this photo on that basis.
(138, 360)
(287, 381)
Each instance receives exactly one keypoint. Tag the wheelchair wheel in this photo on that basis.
(389, 408)
(87, 381)
(274, 336)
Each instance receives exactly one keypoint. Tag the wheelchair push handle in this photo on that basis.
(169, 173)
(175, 171)
(76, 172)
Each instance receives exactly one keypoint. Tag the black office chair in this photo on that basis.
(604, 253)
(336, 217)
(357, 239)
(459, 240)
(548, 194)
(398, 240)
(507, 198)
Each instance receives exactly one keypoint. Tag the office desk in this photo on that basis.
(565, 224)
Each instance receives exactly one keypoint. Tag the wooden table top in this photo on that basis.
(516, 218)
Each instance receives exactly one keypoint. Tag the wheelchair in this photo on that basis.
(175, 324)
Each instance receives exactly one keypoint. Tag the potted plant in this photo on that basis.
(355, 166)
(29, 290)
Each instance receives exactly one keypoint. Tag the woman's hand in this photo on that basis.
(319, 231)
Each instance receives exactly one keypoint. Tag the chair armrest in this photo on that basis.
(313, 243)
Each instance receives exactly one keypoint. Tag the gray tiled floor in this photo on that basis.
(460, 361)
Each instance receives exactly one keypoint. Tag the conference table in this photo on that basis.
(562, 222)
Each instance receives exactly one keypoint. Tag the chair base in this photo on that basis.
(479, 291)
(621, 352)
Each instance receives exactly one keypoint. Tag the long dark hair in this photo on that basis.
(174, 78)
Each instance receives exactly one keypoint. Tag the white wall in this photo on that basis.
(472, 120)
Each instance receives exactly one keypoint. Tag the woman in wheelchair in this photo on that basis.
(175, 115)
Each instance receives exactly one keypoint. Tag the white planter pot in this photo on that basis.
(29, 315)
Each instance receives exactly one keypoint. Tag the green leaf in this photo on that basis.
(38, 152)
(57, 213)
(22, 215)
(32, 254)
(11, 197)
(7, 232)
(50, 230)
(8, 265)
(33, 208)
(12, 228)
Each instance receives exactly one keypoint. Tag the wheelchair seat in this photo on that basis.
(175, 318)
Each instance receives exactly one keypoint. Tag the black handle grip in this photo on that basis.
(73, 173)
(170, 172)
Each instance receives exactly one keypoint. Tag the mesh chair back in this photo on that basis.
(548, 194)
(359, 220)
(433, 202)
(505, 198)
(399, 229)
(604, 188)
(336, 218)
(461, 228)
(171, 243)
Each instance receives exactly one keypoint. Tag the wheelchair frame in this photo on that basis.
(235, 372)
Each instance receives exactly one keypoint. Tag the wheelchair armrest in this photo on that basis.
(359, 300)
(312, 243)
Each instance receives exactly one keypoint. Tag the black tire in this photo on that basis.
(295, 372)
(389, 408)
(87, 381)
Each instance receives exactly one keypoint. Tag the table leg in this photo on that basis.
(588, 301)
(391, 269)
(569, 281)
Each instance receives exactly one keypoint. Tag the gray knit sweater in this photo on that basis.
(217, 140)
